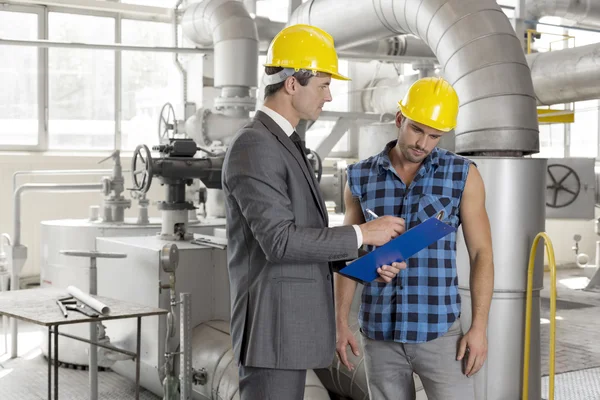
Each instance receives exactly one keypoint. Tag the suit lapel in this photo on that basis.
(293, 150)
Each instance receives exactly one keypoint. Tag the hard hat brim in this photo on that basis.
(429, 123)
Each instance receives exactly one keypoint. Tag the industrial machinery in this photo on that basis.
(476, 48)
(176, 168)
(571, 188)
(60, 271)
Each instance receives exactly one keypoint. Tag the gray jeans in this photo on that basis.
(390, 366)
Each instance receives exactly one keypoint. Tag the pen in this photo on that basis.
(372, 213)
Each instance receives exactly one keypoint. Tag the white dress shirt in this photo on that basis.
(285, 125)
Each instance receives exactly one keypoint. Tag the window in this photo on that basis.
(81, 84)
(149, 81)
(19, 109)
(584, 131)
(552, 141)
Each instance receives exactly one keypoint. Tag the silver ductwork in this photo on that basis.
(227, 25)
(566, 75)
(473, 41)
(561, 76)
(402, 46)
(580, 13)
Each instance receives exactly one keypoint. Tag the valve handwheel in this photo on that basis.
(562, 179)
(141, 168)
(167, 124)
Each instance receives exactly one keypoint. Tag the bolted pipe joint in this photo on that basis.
(227, 25)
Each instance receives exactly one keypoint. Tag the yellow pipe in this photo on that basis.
(552, 266)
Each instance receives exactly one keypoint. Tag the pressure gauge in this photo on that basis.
(169, 258)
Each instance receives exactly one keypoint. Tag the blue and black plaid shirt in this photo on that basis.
(422, 302)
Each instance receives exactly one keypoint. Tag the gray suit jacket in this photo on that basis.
(279, 253)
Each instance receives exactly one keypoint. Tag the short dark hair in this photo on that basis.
(301, 76)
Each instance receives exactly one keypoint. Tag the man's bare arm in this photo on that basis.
(345, 287)
(478, 238)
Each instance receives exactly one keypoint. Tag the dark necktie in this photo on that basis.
(298, 142)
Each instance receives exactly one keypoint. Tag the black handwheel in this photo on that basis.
(561, 179)
(167, 124)
(141, 168)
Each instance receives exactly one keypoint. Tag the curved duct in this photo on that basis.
(568, 75)
(227, 25)
(402, 46)
(580, 13)
(211, 347)
(473, 41)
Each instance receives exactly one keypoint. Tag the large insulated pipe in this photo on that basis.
(579, 13)
(212, 354)
(384, 94)
(477, 49)
(516, 205)
(228, 26)
(561, 76)
(568, 75)
(403, 46)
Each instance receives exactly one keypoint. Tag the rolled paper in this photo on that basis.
(88, 300)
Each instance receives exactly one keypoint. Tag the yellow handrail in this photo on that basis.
(552, 266)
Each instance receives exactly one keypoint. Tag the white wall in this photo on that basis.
(561, 233)
(37, 207)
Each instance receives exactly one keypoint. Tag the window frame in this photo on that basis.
(41, 82)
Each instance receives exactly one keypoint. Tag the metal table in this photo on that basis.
(39, 306)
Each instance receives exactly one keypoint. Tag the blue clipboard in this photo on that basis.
(364, 269)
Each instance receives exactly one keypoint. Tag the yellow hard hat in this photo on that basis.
(433, 102)
(304, 47)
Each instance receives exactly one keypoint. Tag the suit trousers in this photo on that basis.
(271, 384)
(390, 366)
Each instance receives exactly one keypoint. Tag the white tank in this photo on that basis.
(60, 271)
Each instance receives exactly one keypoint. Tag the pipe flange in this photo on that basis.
(163, 205)
(122, 202)
(204, 127)
(239, 103)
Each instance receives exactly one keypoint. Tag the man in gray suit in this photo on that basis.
(280, 251)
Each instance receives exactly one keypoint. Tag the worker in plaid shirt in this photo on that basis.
(412, 323)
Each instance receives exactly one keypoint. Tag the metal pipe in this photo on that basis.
(561, 76)
(351, 54)
(121, 47)
(568, 75)
(178, 63)
(580, 13)
(61, 172)
(382, 95)
(227, 25)
(185, 342)
(473, 41)
(403, 45)
(44, 187)
(130, 354)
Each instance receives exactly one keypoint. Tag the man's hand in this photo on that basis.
(475, 342)
(381, 230)
(388, 272)
(345, 338)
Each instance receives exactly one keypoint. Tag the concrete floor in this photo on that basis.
(577, 353)
(577, 323)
